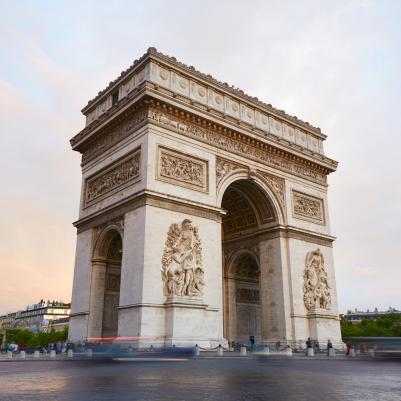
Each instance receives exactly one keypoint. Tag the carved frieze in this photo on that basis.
(182, 269)
(181, 169)
(277, 185)
(117, 134)
(237, 144)
(247, 295)
(225, 167)
(308, 207)
(113, 178)
(316, 287)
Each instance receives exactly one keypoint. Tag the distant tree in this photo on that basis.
(388, 325)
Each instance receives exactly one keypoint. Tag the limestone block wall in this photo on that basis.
(182, 172)
(307, 206)
(81, 284)
(205, 323)
(131, 289)
(302, 326)
(106, 162)
(175, 149)
(142, 309)
(275, 291)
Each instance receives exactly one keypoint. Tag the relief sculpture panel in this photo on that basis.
(277, 185)
(182, 269)
(316, 286)
(113, 178)
(184, 170)
(308, 207)
(225, 167)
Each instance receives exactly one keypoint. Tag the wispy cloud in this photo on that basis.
(336, 66)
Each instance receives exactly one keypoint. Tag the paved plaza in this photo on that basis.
(273, 379)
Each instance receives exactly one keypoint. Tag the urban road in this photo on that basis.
(213, 378)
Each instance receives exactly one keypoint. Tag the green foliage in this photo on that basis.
(388, 325)
(30, 339)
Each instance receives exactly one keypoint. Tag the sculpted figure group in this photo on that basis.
(316, 286)
(182, 271)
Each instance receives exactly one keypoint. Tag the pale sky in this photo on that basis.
(335, 64)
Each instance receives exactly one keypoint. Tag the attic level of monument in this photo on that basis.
(162, 59)
(203, 92)
(261, 147)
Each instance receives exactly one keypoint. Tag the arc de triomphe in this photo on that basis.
(203, 215)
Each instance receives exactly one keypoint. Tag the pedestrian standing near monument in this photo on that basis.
(349, 346)
(329, 346)
(309, 346)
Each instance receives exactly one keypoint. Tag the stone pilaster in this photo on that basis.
(274, 291)
(96, 298)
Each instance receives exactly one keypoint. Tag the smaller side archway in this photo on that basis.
(242, 300)
(105, 284)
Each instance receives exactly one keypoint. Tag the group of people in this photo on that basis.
(59, 347)
(236, 346)
(250, 344)
(14, 348)
(315, 345)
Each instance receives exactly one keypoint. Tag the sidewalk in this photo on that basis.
(204, 354)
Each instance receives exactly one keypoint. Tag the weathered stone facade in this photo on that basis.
(203, 215)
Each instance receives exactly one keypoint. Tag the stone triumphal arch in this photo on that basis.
(203, 215)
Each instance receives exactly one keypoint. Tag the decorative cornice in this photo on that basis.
(75, 314)
(285, 232)
(240, 144)
(153, 54)
(148, 198)
(93, 141)
(95, 130)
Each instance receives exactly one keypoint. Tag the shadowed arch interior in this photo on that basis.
(243, 287)
(249, 211)
(247, 208)
(109, 251)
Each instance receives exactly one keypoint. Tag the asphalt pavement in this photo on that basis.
(231, 379)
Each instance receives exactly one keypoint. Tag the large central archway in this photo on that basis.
(249, 213)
